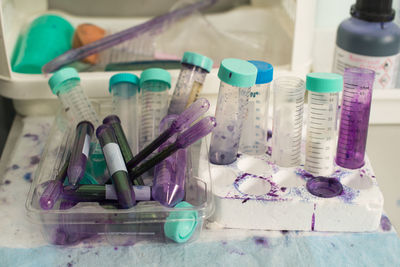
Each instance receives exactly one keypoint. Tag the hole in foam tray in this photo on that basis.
(254, 185)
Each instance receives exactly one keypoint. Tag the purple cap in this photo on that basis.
(100, 130)
(50, 194)
(111, 119)
(324, 187)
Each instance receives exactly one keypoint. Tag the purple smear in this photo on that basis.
(34, 137)
(261, 241)
(385, 223)
(35, 160)
(313, 219)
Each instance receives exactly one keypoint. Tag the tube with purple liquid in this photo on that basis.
(80, 152)
(356, 106)
(169, 175)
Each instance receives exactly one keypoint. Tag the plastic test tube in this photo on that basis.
(323, 97)
(355, 109)
(65, 83)
(255, 126)
(80, 152)
(287, 121)
(124, 88)
(170, 174)
(190, 81)
(154, 84)
(237, 77)
(115, 123)
(116, 166)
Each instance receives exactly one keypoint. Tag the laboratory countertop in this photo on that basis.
(22, 244)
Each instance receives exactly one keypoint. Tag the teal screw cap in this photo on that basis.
(265, 71)
(155, 74)
(198, 60)
(124, 78)
(237, 72)
(60, 77)
(323, 82)
(180, 225)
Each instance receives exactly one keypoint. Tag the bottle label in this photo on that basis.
(386, 68)
(114, 159)
(86, 146)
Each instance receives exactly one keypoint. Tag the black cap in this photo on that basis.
(373, 10)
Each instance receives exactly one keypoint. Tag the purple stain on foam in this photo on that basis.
(283, 189)
(69, 264)
(284, 232)
(224, 243)
(313, 218)
(245, 200)
(14, 167)
(269, 151)
(385, 223)
(269, 134)
(7, 182)
(28, 176)
(34, 137)
(348, 194)
(238, 155)
(261, 241)
(115, 248)
(35, 160)
(303, 174)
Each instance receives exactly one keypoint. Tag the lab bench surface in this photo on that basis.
(21, 243)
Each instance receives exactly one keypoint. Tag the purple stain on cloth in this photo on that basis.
(261, 241)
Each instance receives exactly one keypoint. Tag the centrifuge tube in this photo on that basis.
(65, 83)
(354, 119)
(190, 81)
(237, 77)
(255, 126)
(154, 84)
(287, 121)
(323, 96)
(124, 88)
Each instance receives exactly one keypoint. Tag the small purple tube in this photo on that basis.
(169, 175)
(356, 106)
(80, 152)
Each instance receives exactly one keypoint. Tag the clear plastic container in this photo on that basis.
(287, 121)
(354, 119)
(147, 221)
(190, 81)
(65, 83)
(124, 88)
(154, 84)
(255, 127)
(237, 77)
(323, 98)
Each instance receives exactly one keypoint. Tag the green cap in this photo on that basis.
(198, 60)
(180, 225)
(123, 78)
(155, 74)
(237, 72)
(323, 82)
(60, 77)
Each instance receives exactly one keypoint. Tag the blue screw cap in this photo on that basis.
(59, 77)
(123, 77)
(265, 71)
(323, 82)
(237, 72)
(198, 60)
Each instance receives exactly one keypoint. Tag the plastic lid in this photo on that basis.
(155, 74)
(198, 60)
(237, 72)
(323, 82)
(123, 77)
(61, 76)
(180, 225)
(373, 10)
(264, 71)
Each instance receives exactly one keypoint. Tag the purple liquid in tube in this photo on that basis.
(170, 174)
(356, 105)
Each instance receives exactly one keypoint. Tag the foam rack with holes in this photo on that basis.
(254, 193)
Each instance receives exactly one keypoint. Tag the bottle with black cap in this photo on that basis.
(370, 39)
